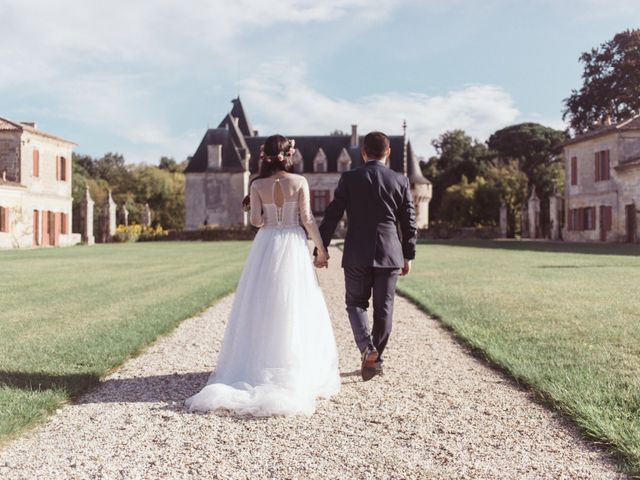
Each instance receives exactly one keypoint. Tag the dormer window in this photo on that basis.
(344, 161)
(320, 162)
(298, 162)
(214, 157)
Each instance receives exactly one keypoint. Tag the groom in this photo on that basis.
(377, 200)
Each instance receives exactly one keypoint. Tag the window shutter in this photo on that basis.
(570, 219)
(607, 170)
(574, 170)
(596, 163)
(57, 167)
(36, 163)
(2, 220)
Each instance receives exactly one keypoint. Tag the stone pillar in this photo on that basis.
(146, 215)
(534, 214)
(503, 220)
(110, 217)
(125, 216)
(554, 217)
(86, 218)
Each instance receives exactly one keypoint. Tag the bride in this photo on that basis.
(278, 353)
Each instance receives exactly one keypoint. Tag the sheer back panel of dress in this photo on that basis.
(283, 201)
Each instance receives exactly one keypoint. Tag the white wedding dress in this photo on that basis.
(279, 352)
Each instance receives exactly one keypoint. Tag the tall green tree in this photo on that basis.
(458, 155)
(535, 148)
(611, 83)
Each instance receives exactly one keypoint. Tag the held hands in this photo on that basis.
(407, 268)
(321, 260)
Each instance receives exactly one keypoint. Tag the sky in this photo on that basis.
(146, 78)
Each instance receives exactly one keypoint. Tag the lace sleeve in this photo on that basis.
(306, 216)
(256, 207)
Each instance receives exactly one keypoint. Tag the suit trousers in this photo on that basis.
(361, 284)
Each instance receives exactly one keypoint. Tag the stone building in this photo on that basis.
(602, 193)
(35, 187)
(218, 174)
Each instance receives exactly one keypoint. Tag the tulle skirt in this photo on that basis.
(279, 352)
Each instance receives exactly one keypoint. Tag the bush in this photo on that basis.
(139, 233)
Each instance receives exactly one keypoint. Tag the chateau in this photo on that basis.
(602, 193)
(35, 187)
(218, 174)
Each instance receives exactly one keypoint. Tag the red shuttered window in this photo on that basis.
(574, 170)
(4, 219)
(602, 166)
(63, 169)
(63, 223)
(608, 218)
(36, 163)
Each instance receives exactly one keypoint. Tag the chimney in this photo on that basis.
(214, 157)
(33, 125)
(354, 136)
(607, 120)
(255, 133)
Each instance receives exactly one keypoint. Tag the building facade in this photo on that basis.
(218, 174)
(35, 187)
(602, 193)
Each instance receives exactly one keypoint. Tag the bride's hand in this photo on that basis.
(322, 259)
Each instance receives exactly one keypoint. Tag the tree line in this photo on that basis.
(471, 178)
(132, 186)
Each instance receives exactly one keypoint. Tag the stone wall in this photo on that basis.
(215, 199)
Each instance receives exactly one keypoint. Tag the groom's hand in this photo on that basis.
(407, 268)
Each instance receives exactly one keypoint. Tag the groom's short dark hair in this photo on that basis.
(375, 144)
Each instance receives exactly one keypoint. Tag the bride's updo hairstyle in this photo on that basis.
(275, 155)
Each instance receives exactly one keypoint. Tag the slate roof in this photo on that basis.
(8, 125)
(236, 137)
(632, 123)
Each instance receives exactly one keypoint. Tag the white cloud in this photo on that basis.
(108, 65)
(286, 103)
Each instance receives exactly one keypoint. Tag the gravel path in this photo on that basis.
(437, 413)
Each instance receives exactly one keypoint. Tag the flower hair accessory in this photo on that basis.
(280, 156)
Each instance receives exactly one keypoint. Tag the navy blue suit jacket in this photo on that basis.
(381, 229)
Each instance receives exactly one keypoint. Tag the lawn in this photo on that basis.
(68, 316)
(561, 318)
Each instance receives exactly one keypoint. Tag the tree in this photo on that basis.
(169, 164)
(458, 155)
(611, 83)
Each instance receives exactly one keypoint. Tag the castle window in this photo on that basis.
(601, 166)
(4, 219)
(344, 161)
(320, 162)
(36, 163)
(319, 201)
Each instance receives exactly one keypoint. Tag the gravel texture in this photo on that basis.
(438, 412)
